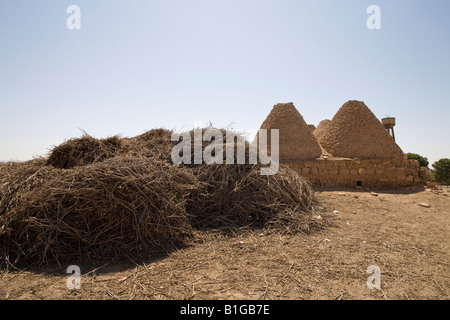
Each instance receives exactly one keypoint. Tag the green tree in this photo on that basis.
(442, 170)
(423, 161)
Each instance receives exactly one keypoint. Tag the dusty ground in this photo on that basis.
(389, 229)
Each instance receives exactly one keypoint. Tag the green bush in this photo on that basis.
(423, 161)
(441, 170)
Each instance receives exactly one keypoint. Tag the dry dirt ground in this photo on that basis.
(390, 229)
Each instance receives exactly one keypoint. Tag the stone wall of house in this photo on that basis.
(324, 172)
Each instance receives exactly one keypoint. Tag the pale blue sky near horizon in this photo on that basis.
(137, 65)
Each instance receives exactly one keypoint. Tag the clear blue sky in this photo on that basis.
(140, 64)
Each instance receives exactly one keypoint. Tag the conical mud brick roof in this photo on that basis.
(355, 132)
(296, 139)
(321, 128)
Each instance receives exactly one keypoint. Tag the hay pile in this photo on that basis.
(121, 205)
(355, 132)
(95, 199)
(296, 139)
(84, 150)
(231, 140)
(154, 144)
(238, 195)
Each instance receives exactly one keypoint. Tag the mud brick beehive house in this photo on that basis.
(351, 150)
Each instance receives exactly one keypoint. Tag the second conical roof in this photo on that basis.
(355, 132)
(321, 128)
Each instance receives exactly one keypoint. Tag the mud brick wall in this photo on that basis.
(356, 172)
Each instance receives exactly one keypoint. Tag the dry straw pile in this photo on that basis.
(82, 151)
(95, 199)
(237, 195)
(103, 208)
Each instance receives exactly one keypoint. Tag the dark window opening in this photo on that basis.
(359, 183)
